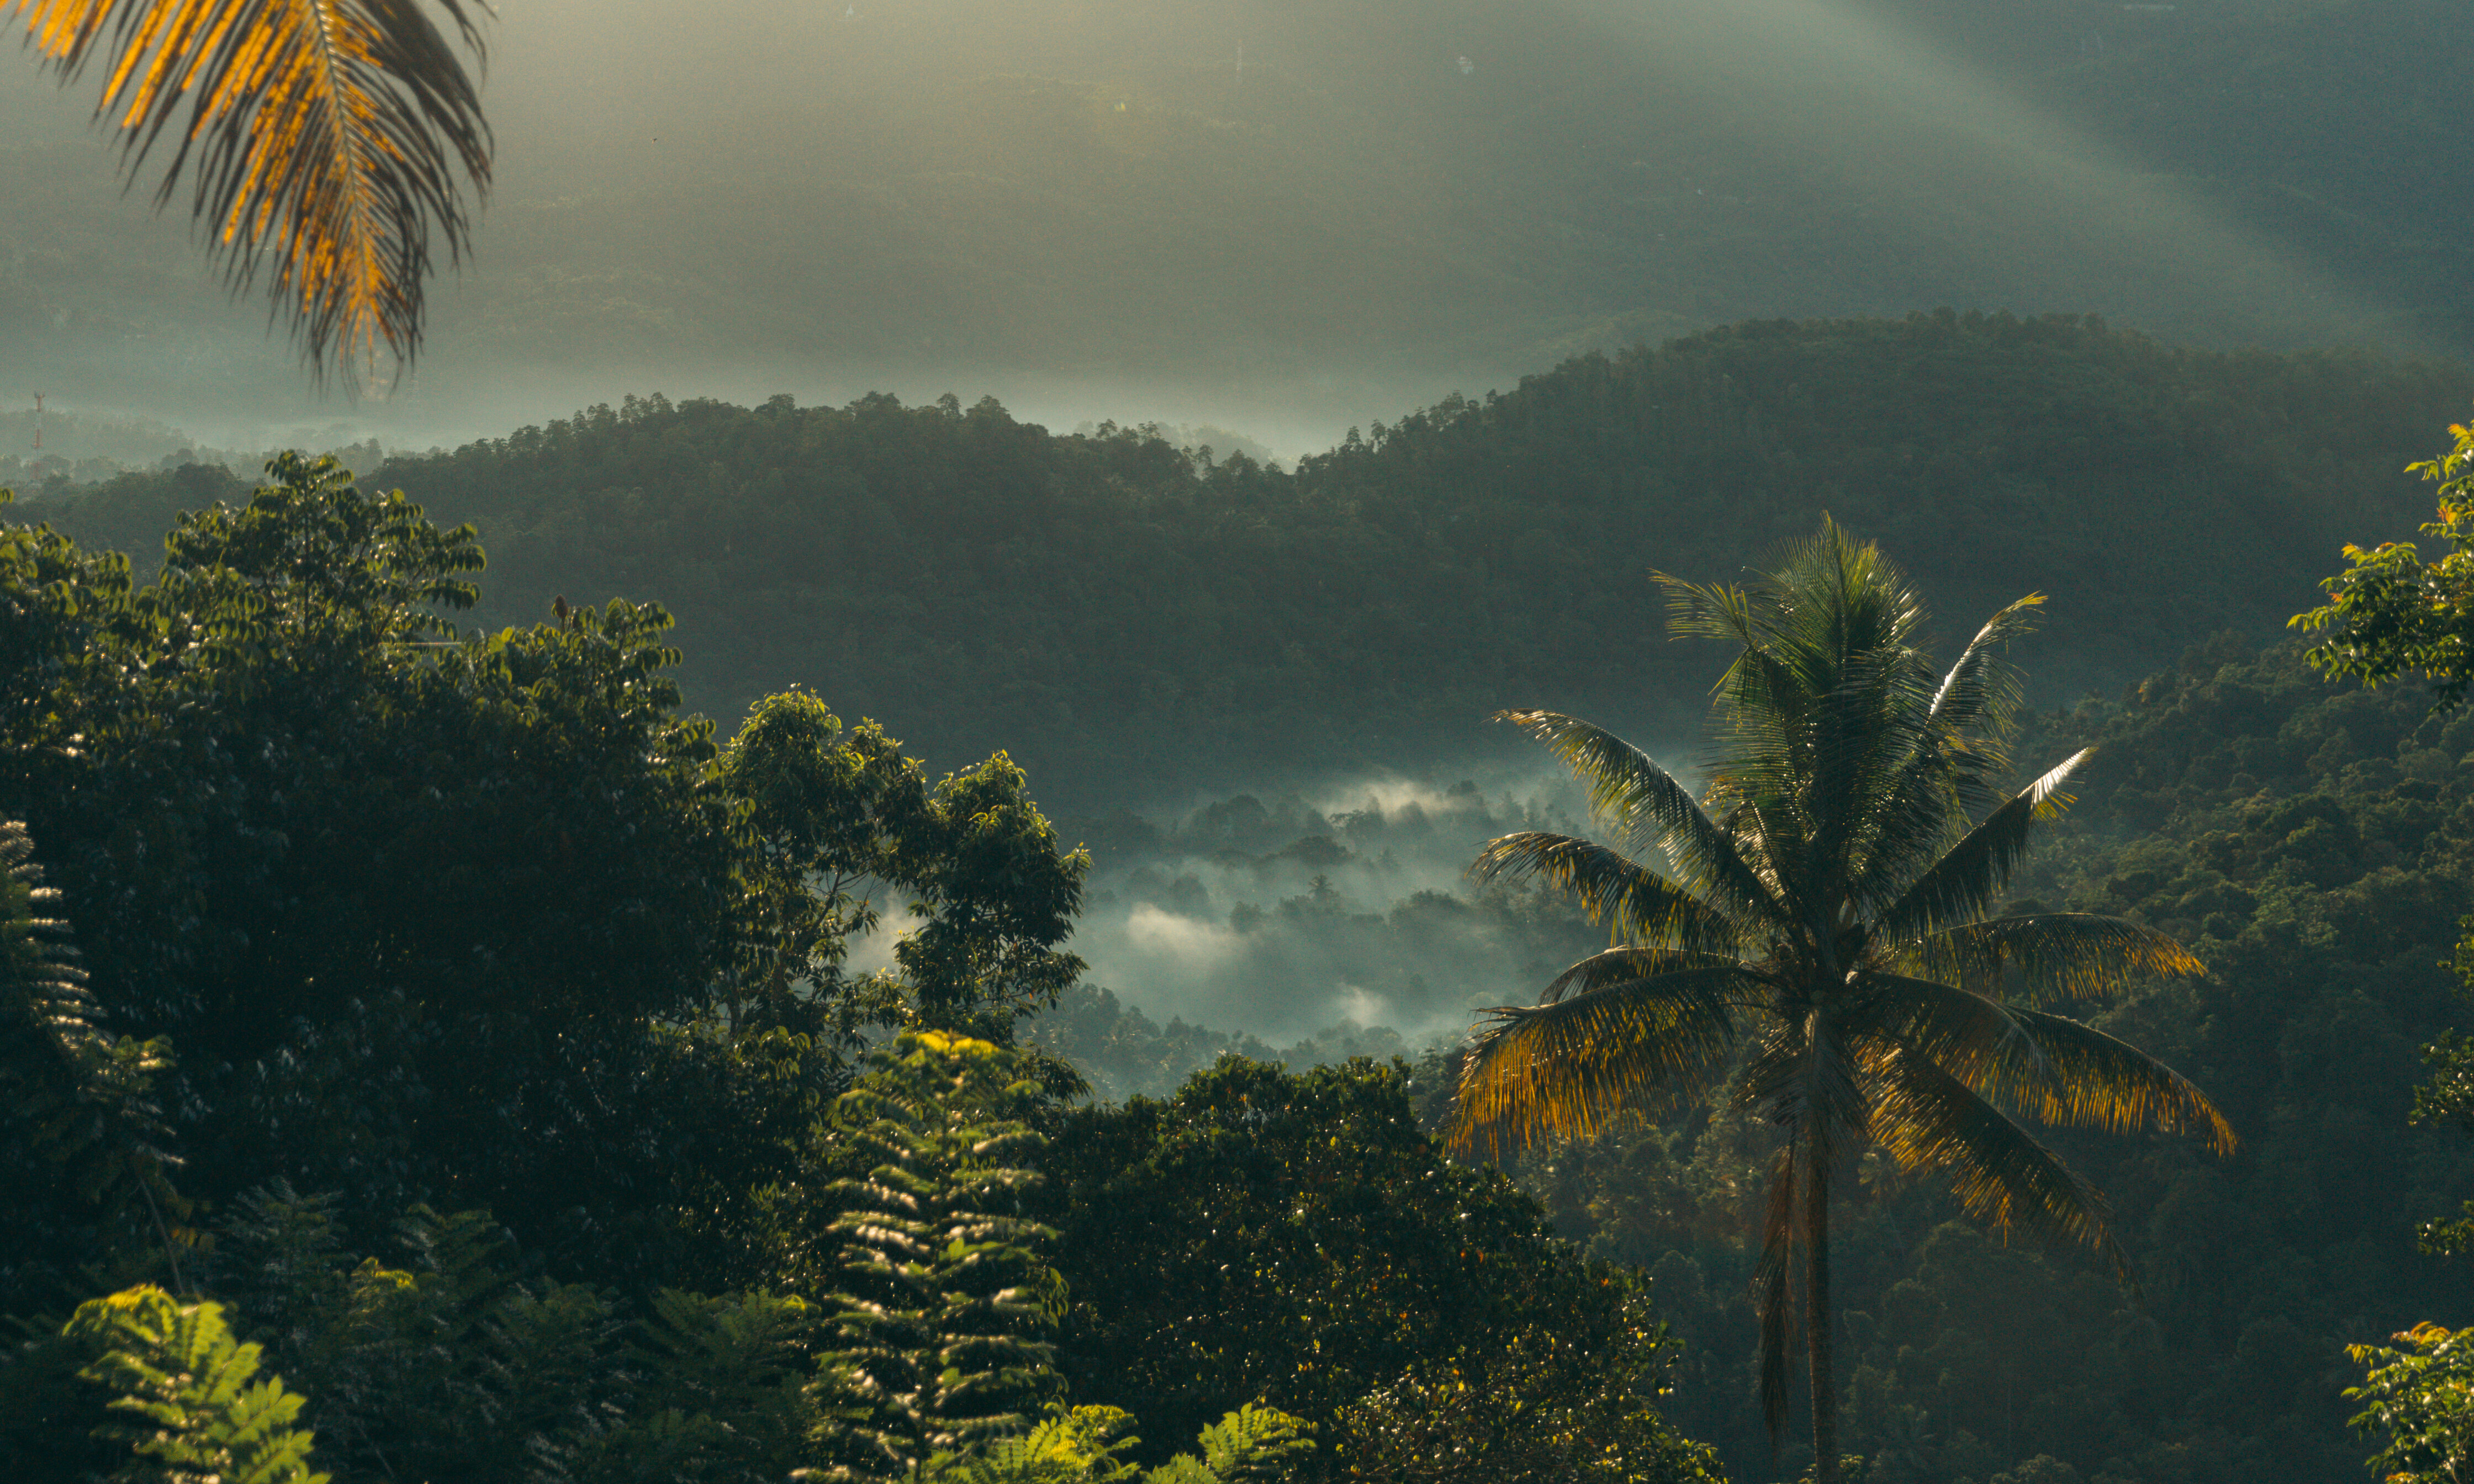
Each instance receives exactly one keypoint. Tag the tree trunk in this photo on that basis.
(1819, 1321)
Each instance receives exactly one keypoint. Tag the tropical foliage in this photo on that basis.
(307, 1030)
(2393, 614)
(465, 1037)
(942, 1332)
(1297, 1236)
(2422, 1399)
(1820, 924)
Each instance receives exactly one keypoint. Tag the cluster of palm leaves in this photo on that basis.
(1816, 933)
(325, 143)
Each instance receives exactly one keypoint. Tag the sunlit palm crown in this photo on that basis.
(1818, 920)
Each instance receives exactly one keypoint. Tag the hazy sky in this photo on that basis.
(1087, 209)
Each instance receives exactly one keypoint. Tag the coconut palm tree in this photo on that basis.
(1818, 925)
(322, 141)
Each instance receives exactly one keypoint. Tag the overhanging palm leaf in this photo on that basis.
(1826, 924)
(2071, 1074)
(323, 141)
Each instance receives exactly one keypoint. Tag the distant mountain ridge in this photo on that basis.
(1125, 615)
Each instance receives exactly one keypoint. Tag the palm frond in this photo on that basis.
(323, 144)
(2072, 1074)
(2048, 956)
(1965, 1033)
(1954, 745)
(1564, 1069)
(1978, 689)
(1644, 801)
(1930, 1120)
(1804, 1078)
(1958, 887)
(1618, 893)
(1624, 965)
(1865, 738)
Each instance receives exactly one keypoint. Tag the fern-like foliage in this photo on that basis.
(720, 1391)
(74, 1100)
(1086, 1444)
(445, 1367)
(195, 1407)
(943, 1329)
(1253, 1443)
(1076, 1447)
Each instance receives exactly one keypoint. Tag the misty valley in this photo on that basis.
(1115, 742)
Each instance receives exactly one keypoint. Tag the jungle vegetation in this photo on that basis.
(432, 1055)
(456, 1028)
(1362, 608)
(1817, 929)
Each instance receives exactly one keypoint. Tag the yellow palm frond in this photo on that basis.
(2054, 955)
(1566, 1069)
(1965, 1033)
(2079, 1077)
(1930, 1120)
(322, 142)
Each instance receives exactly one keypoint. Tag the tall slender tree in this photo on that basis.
(1816, 933)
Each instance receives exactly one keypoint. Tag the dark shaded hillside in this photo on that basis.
(1123, 617)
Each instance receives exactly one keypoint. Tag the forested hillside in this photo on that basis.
(1126, 620)
(2315, 846)
(486, 959)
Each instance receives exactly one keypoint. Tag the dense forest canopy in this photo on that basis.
(1124, 619)
(566, 957)
(549, 960)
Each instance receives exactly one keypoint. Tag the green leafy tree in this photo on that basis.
(1299, 1237)
(2421, 1397)
(946, 1304)
(413, 899)
(1820, 923)
(2390, 613)
(2393, 615)
(834, 811)
(1083, 1445)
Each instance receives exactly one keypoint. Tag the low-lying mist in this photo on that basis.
(1310, 925)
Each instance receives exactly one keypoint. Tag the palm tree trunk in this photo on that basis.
(1818, 1324)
